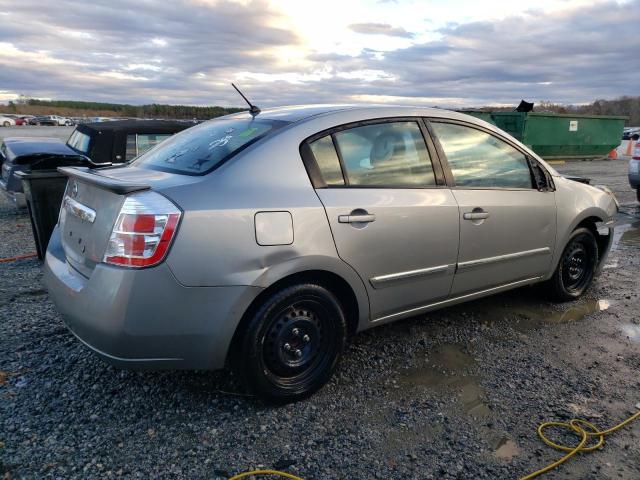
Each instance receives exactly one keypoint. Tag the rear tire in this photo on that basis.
(291, 344)
(638, 194)
(576, 268)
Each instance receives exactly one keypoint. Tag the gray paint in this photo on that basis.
(417, 254)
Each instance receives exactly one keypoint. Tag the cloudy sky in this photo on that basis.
(432, 52)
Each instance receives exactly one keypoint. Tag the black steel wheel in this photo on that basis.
(577, 266)
(292, 343)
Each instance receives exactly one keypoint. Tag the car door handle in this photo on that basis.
(475, 215)
(357, 218)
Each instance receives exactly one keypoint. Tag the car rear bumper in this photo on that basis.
(145, 318)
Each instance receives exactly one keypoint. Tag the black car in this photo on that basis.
(89, 145)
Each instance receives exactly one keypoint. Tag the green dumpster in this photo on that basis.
(482, 115)
(555, 136)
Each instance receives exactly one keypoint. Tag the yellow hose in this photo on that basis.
(265, 472)
(585, 429)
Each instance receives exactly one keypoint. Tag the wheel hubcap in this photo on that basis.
(576, 266)
(293, 341)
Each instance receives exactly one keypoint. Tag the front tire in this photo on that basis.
(6, 124)
(638, 194)
(292, 343)
(576, 268)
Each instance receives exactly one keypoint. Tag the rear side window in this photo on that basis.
(391, 155)
(478, 159)
(79, 141)
(327, 160)
(198, 150)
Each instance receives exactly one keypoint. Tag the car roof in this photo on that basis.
(327, 116)
(297, 113)
(293, 113)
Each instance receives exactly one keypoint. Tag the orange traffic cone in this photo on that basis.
(613, 154)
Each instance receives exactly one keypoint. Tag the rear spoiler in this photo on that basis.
(114, 185)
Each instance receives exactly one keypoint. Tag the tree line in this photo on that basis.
(626, 105)
(623, 106)
(153, 110)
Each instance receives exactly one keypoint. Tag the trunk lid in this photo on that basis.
(91, 205)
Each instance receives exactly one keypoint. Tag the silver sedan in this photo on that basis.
(263, 241)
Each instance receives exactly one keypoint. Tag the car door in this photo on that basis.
(392, 217)
(507, 218)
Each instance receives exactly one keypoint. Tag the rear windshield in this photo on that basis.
(79, 141)
(200, 149)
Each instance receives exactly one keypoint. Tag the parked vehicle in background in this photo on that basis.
(41, 120)
(23, 119)
(101, 119)
(264, 241)
(55, 120)
(122, 140)
(634, 171)
(88, 145)
(6, 121)
(26, 154)
(629, 132)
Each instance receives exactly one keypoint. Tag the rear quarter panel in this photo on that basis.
(216, 244)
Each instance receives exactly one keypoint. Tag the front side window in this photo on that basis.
(198, 150)
(480, 160)
(389, 155)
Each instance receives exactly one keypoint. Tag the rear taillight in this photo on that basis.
(143, 232)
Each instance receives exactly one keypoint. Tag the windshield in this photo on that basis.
(79, 141)
(198, 150)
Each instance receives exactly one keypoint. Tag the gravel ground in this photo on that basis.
(455, 394)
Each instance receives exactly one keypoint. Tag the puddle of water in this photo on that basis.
(629, 234)
(446, 368)
(530, 319)
(632, 332)
(525, 318)
(507, 449)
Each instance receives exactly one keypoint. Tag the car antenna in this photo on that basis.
(253, 110)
